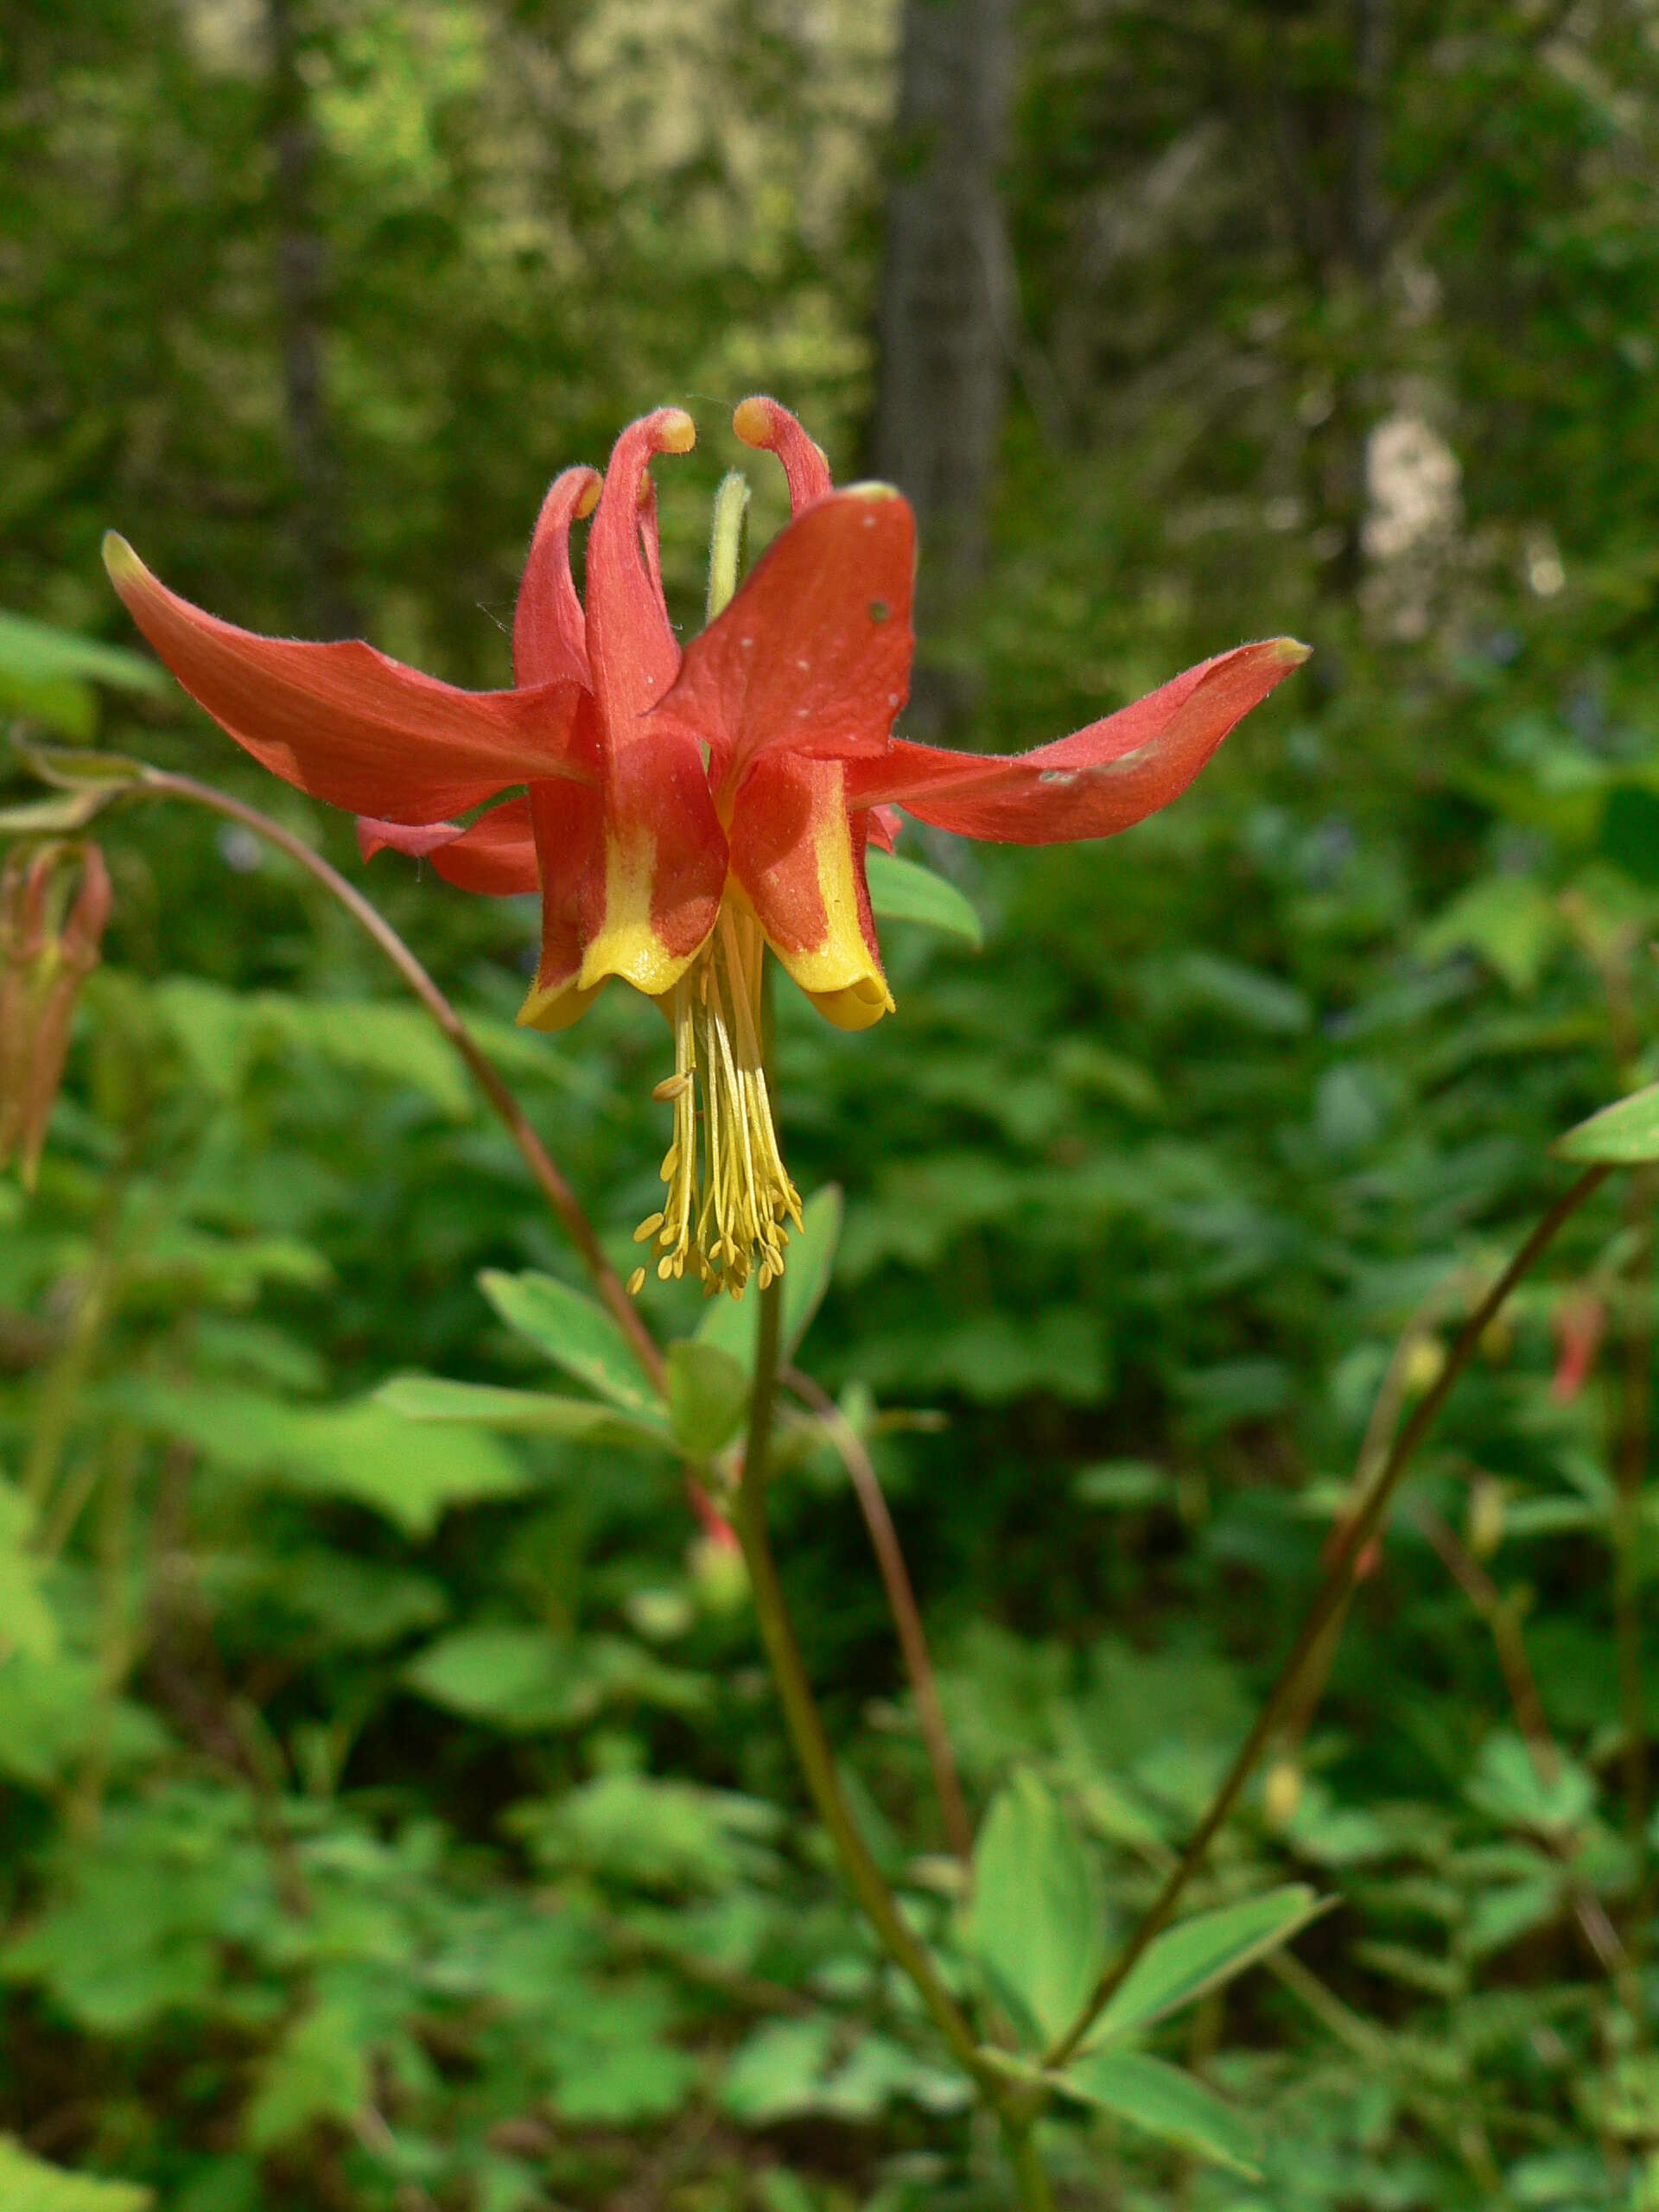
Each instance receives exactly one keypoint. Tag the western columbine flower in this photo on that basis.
(679, 813)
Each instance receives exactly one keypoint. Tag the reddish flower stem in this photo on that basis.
(157, 783)
(902, 1603)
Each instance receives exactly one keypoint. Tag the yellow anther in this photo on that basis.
(636, 1282)
(672, 1086)
(648, 1228)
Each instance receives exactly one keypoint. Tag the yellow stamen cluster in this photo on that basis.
(729, 1194)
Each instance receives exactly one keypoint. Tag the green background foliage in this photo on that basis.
(394, 1814)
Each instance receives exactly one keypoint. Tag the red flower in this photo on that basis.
(679, 813)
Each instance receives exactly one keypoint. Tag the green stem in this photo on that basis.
(805, 1725)
(1031, 2179)
(1635, 1422)
(1331, 1596)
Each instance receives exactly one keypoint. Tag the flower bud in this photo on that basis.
(1579, 1323)
(1486, 1516)
(1281, 1793)
(51, 931)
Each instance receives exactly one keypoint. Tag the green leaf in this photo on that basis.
(48, 674)
(361, 1451)
(41, 649)
(225, 1034)
(319, 2071)
(611, 2063)
(1629, 832)
(1506, 1784)
(1202, 1953)
(776, 2073)
(28, 1623)
(1037, 1924)
(730, 1323)
(789, 2068)
(904, 891)
(46, 1714)
(1250, 995)
(55, 817)
(677, 1838)
(513, 1413)
(707, 1396)
(72, 769)
(575, 1333)
(1625, 1134)
(526, 1680)
(1510, 921)
(1161, 2100)
(1123, 1485)
(27, 2184)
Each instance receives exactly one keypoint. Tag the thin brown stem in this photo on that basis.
(902, 1603)
(1329, 1597)
(1499, 1615)
(1489, 1603)
(1386, 1409)
(558, 1194)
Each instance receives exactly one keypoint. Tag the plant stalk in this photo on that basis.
(1030, 2177)
(806, 1729)
(1328, 1599)
(1635, 1424)
(159, 783)
(901, 1604)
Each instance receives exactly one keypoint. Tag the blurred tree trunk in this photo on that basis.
(946, 301)
(300, 293)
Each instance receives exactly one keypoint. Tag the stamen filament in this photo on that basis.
(730, 1196)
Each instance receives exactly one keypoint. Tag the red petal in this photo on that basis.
(344, 722)
(633, 885)
(495, 855)
(799, 855)
(1094, 783)
(569, 828)
(763, 423)
(813, 654)
(631, 878)
(548, 633)
(885, 823)
(631, 642)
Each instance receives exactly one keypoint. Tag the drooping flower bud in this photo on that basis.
(51, 934)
